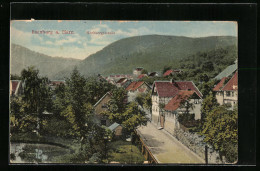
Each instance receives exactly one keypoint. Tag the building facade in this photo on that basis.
(163, 92)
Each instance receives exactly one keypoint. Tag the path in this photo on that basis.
(165, 148)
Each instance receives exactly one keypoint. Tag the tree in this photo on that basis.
(117, 104)
(144, 71)
(37, 94)
(74, 107)
(220, 130)
(185, 117)
(133, 117)
(206, 88)
(26, 111)
(208, 66)
(208, 104)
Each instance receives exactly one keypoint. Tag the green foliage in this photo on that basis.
(15, 77)
(96, 88)
(186, 117)
(125, 152)
(133, 117)
(144, 71)
(72, 105)
(36, 98)
(220, 130)
(36, 91)
(117, 104)
(208, 104)
(206, 87)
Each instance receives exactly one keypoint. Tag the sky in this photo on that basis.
(79, 39)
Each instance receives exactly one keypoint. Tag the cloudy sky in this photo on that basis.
(87, 38)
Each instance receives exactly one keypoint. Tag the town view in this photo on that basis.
(116, 92)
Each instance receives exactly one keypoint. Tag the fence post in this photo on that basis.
(206, 154)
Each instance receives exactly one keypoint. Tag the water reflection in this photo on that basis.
(35, 153)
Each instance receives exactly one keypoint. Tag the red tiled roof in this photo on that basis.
(166, 89)
(141, 76)
(168, 72)
(232, 83)
(14, 85)
(169, 89)
(175, 102)
(57, 82)
(186, 85)
(220, 85)
(134, 85)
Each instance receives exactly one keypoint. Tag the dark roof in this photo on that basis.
(232, 83)
(169, 89)
(176, 101)
(220, 85)
(139, 69)
(121, 80)
(152, 74)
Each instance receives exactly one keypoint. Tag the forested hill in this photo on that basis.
(151, 52)
(22, 57)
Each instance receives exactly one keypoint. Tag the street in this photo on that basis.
(165, 148)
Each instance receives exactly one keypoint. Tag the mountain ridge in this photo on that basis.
(122, 56)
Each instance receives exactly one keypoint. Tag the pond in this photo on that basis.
(35, 153)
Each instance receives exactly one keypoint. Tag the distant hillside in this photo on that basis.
(152, 52)
(22, 57)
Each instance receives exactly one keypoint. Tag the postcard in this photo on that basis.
(123, 92)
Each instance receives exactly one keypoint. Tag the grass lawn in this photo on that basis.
(124, 152)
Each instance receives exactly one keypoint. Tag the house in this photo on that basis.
(141, 76)
(218, 90)
(114, 78)
(53, 84)
(153, 74)
(99, 108)
(171, 72)
(228, 71)
(163, 92)
(135, 88)
(176, 106)
(16, 87)
(137, 71)
(168, 73)
(121, 82)
(228, 93)
(117, 129)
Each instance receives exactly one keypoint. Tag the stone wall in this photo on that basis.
(195, 143)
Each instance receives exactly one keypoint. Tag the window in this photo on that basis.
(227, 93)
(232, 93)
(196, 101)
